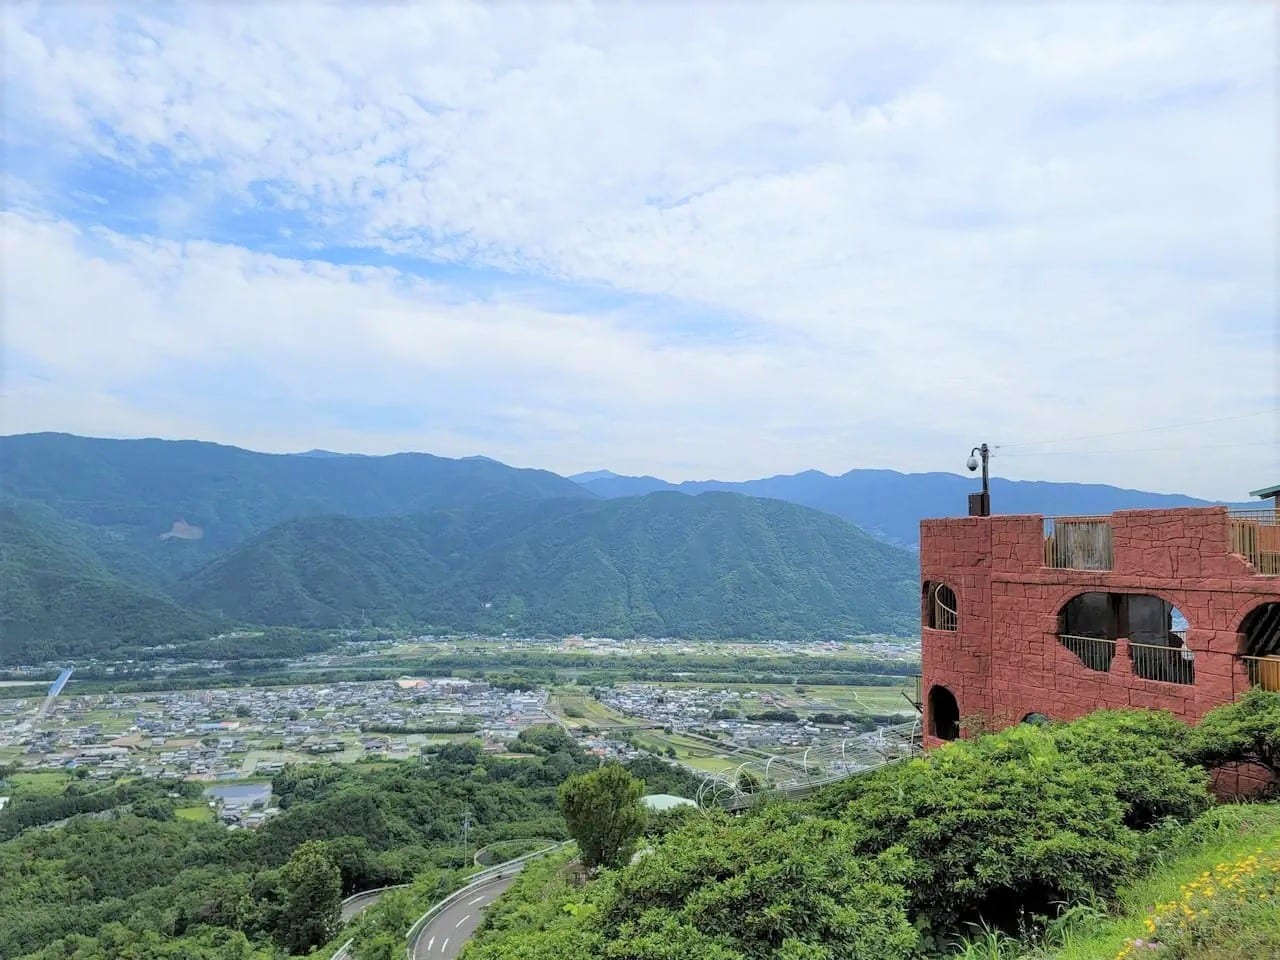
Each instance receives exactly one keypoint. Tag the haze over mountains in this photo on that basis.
(891, 505)
(112, 545)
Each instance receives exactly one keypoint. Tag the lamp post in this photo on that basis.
(980, 503)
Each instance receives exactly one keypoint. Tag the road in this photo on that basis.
(356, 905)
(445, 936)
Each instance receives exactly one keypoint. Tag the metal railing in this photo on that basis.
(354, 904)
(1094, 652)
(1263, 672)
(1078, 543)
(1167, 664)
(942, 607)
(796, 775)
(1255, 535)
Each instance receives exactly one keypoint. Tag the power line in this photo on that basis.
(1127, 433)
(1094, 453)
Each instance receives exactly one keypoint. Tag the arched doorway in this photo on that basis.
(1260, 645)
(944, 713)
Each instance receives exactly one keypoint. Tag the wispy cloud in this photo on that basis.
(723, 240)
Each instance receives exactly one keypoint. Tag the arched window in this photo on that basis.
(944, 713)
(1090, 624)
(939, 606)
(1260, 645)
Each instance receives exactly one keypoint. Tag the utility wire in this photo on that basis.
(1126, 433)
(1093, 453)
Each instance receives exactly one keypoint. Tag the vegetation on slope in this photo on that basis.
(135, 881)
(59, 600)
(718, 565)
(138, 489)
(1000, 833)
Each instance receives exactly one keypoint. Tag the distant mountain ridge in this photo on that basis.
(121, 544)
(891, 505)
(720, 565)
(219, 496)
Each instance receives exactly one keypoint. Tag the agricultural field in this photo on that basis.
(806, 699)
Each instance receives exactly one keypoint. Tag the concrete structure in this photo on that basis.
(661, 802)
(1027, 615)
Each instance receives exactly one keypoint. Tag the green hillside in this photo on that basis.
(57, 599)
(717, 565)
(177, 504)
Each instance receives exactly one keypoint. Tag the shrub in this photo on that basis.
(1247, 731)
(995, 828)
(1141, 757)
(769, 885)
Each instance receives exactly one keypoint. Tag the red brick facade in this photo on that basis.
(1004, 659)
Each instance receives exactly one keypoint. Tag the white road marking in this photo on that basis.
(444, 945)
(476, 900)
(431, 943)
(462, 921)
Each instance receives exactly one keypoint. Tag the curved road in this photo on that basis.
(445, 936)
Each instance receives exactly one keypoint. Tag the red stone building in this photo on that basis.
(1028, 615)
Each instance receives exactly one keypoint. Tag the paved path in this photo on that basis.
(356, 905)
(445, 936)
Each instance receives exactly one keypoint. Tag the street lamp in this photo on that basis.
(980, 503)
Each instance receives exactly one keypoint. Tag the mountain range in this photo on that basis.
(890, 505)
(114, 545)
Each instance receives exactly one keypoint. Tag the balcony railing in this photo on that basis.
(1264, 672)
(1255, 535)
(1159, 662)
(1094, 652)
(1078, 543)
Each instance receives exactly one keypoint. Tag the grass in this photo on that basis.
(38, 782)
(199, 813)
(1225, 835)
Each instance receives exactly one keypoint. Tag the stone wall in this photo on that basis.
(1005, 661)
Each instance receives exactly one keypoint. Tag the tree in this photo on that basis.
(604, 814)
(1140, 756)
(1247, 731)
(310, 898)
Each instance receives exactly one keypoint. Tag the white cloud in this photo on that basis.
(934, 225)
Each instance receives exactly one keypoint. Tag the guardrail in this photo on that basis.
(1264, 672)
(1094, 652)
(364, 895)
(1168, 664)
(1255, 535)
(475, 882)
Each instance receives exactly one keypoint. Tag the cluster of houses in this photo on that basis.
(225, 734)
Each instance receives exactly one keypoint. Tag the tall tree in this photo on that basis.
(311, 898)
(604, 814)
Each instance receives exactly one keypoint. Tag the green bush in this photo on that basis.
(995, 830)
(1247, 731)
(1141, 757)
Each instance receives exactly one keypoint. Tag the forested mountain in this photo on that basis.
(891, 504)
(57, 599)
(180, 503)
(718, 565)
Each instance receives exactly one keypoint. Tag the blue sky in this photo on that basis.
(691, 241)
